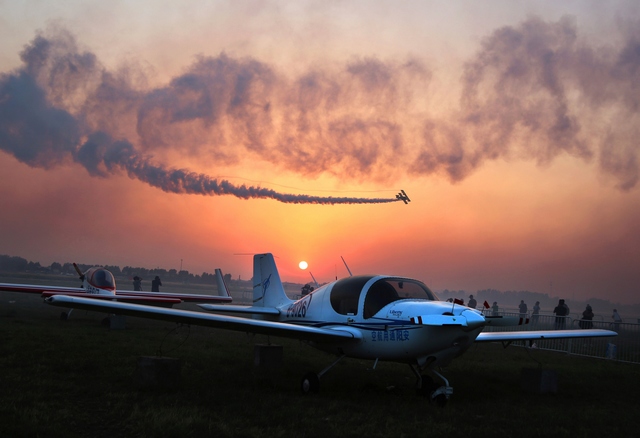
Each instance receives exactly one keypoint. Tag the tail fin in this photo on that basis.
(267, 287)
(223, 290)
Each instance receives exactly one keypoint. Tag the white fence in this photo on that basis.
(624, 348)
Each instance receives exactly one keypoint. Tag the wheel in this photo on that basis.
(310, 383)
(428, 386)
(439, 400)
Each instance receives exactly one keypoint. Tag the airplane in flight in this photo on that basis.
(375, 317)
(99, 284)
(402, 196)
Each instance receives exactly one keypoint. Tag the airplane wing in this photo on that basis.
(180, 316)
(249, 310)
(38, 288)
(542, 334)
(127, 295)
(124, 298)
(189, 298)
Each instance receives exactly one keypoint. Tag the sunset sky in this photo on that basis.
(155, 133)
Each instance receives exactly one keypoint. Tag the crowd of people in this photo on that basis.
(561, 312)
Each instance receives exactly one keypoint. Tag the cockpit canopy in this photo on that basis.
(102, 278)
(345, 294)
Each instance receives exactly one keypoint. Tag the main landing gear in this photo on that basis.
(427, 387)
(311, 381)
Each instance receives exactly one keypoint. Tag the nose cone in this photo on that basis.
(474, 319)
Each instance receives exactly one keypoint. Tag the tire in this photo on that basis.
(310, 383)
(440, 400)
(428, 386)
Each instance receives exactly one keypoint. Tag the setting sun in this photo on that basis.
(303, 265)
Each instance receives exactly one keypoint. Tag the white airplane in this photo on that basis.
(375, 317)
(99, 283)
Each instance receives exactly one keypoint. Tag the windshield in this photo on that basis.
(345, 294)
(388, 290)
(411, 289)
(103, 279)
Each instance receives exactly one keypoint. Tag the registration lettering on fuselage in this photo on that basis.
(389, 335)
(299, 308)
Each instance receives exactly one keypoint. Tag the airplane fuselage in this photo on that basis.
(393, 332)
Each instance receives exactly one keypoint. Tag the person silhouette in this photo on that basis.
(617, 319)
(561, 311)
(536, 313)
(587, 317)
(523, 309)
(155, 284)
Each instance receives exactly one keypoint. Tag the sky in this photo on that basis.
(163, 134)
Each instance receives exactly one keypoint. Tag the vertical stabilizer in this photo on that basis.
(223, 290)
(267, 287)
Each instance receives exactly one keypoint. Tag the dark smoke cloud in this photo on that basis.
(533, 91)
(537, 91)
(63, 106)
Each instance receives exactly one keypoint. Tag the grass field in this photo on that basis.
(75, 378)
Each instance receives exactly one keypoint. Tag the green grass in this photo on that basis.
(75, 378)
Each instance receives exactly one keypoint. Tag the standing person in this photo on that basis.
(617, 319)
(137, 283)
(561, 311)
(536, 313)
(155, 284)
(587, 318)
(523, 309)
(495, 309)
(472, 302)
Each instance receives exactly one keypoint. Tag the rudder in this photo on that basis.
(267, 286)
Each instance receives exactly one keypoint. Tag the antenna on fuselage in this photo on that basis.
(346, 266)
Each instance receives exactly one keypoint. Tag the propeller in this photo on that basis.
(78, 271)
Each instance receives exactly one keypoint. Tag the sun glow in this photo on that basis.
(303, 265)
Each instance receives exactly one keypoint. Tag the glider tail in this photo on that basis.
(267, 287)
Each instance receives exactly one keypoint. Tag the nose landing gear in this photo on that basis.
(427, 387)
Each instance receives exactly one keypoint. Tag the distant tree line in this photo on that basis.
(504, 299)
(18, 264)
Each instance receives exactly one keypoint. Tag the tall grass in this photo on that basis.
(75, 378)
